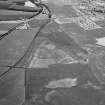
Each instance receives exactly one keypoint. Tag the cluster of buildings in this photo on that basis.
(92, 7)
(89, 12)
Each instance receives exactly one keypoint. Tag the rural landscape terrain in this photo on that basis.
(56, 57)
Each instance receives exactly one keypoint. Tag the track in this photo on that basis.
(31, 45)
